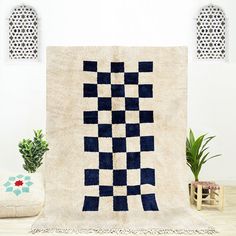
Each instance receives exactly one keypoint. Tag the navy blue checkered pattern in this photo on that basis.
(119, 144)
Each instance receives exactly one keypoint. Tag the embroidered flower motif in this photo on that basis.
(18, 184)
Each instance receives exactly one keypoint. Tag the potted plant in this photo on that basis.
(197, 154)
(33, 151)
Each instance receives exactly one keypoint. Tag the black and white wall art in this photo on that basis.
(211, 33)
(23, 33)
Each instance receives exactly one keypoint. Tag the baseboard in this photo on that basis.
(226, 182)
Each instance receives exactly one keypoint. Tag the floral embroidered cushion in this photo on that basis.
(20, 195)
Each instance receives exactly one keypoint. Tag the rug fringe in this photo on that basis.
(125, 231)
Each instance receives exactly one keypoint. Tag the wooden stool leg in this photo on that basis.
(212, 196)
(199, 197)
(192, 194)
(221, 198)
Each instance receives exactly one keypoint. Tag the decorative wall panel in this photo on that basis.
(211, 26)
(23, 33)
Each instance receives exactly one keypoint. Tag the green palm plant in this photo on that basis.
(197, 152)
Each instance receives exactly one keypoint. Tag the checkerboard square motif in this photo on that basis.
(120, 142)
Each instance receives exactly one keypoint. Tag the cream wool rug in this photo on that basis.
(116, 125)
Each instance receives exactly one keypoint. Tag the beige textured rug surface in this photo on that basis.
(116, 125)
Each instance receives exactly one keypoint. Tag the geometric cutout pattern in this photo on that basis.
(211, 33)
(23, 33)
(120, 144)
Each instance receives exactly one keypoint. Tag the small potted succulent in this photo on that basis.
(33, 151)
(197, 154)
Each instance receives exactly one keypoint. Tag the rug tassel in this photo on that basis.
(126, 231)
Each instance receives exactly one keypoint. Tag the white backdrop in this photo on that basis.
(211, 86)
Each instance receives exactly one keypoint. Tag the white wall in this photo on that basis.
(211, 85)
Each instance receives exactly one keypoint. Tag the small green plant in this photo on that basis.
(197, 152)
(32, 151)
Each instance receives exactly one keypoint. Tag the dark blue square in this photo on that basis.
(148, 176)
(91, 203)
(133, 190)
(132, 130)
(119, 144)
(90, 90)
(104, 78)
(119, 177)
(149, 202)
(147, 143)
(118, 117)
(145, 91)
(90, 66)
(145, 66)
(104, 104)
(117, 67)
(131, 78)
(91, 177)
(131, 104)
(104, 130)
(90, 117)
(120, 203)
(105, 191)
(146, 116)
(133, 160)
(90, 144)
(117, 90)
(105, 160)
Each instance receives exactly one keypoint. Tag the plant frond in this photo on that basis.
(197, 152)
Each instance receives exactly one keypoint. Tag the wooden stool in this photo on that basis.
(213, 198)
